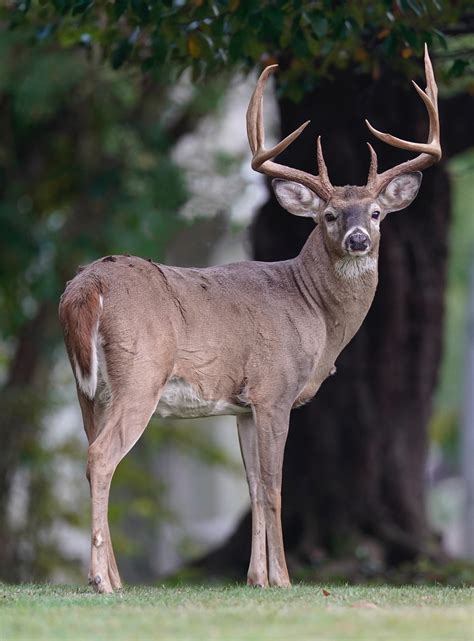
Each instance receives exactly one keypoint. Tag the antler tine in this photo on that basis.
(373, 166)
(255, 132)
(429, 152)
(432, 92)
(322, 169)
(255, 129)
(262, 158)
(431, 87)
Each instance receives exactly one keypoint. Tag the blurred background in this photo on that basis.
(122, 131)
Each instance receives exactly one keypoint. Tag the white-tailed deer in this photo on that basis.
(250, 339)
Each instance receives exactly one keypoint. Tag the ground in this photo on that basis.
(310, 612)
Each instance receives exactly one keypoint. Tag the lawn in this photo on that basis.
(305, 612)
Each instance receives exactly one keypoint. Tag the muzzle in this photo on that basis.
(357, 242)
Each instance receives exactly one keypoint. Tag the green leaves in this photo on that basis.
(313, 37)
(458, 67)
(82, 168)
(121, 52)
(199, 45)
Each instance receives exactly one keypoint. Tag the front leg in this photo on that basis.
(272, 430)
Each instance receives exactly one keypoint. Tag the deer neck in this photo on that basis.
(343, 287)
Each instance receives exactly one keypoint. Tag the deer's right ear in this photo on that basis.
(296, 198)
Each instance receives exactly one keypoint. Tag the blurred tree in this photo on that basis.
(355, 457)
(85, 170)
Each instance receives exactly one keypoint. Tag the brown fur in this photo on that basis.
(79, 311)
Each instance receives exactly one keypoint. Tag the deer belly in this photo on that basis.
(179, 399)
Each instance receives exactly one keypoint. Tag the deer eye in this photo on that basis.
(376, 215)
(330, 218)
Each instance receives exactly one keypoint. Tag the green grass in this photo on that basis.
(304, 612)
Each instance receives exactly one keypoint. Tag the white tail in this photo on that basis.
(87, 381)
(80, 318)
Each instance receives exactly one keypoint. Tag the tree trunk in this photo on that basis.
(355, 456)
(20, 409)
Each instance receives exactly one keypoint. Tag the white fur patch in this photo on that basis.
(353, 267)
(87, 381)
(179, 399)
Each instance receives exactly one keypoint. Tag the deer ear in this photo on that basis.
(296, 198)
(400, 192)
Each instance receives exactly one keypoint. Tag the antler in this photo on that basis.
(429, 152)
(261, 160)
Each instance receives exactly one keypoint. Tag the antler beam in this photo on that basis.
(429, 152)
(262, 158)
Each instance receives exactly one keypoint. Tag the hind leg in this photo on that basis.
(117, 427)
(91, 425)
(113, 572)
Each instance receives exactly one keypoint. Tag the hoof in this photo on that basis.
(95, 581)
(280, 584)
(257, 582)
(99, 585)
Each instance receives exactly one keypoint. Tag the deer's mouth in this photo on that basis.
(357, 252)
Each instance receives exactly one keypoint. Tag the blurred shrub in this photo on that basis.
(85, 170)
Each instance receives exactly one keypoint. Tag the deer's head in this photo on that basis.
(350, 216)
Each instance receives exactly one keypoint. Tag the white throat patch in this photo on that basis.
(353, 267)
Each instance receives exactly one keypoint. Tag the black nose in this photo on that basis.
(358, 242)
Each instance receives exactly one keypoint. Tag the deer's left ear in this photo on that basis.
(400, 192)
(296, 198)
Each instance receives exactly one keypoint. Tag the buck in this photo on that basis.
(249, 339)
